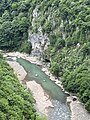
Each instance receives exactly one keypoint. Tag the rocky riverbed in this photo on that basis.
(77, 108)
(42, 99)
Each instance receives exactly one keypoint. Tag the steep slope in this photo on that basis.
(16, 103)
(14, 24)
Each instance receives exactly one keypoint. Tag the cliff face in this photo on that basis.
(39, 43)
(38, 40)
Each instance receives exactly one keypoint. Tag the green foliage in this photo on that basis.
(2, 116)
(73, 64)
(60, 44)
(67, 24)
(47, 27)
(87, 105)
(16, 103)
(14, 23)
(55, 68)
(68, 27)
(26, 47)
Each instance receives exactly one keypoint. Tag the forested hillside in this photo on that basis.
(16, 102)
(14, 24)
(67, 24)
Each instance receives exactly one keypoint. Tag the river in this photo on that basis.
(61, 109)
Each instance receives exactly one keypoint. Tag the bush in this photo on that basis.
(55, 68)
(26, 47)
(87, 105)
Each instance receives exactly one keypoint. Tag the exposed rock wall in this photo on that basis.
(38, 40)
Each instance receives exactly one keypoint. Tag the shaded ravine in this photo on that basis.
(61, 110)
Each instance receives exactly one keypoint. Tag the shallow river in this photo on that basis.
(61, 110)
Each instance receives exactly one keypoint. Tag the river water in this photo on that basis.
(61, 110)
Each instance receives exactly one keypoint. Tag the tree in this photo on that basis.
(87, 105)
(2, 116)
(6, 16)
(55, 68)
(26, 47)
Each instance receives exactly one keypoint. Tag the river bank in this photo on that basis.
(77, 109)
(43, 102)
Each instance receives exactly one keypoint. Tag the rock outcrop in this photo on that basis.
(38, 40)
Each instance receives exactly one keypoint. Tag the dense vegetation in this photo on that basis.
(14, 24)
(67, 24)
(16, 102)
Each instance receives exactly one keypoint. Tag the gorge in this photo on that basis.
(55, 33)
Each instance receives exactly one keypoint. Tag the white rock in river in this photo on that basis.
(44, 80)
(14, 58)
(36, 75)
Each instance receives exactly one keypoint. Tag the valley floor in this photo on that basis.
(77, 109)
(42, 99)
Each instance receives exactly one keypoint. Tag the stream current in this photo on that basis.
(61, 109)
